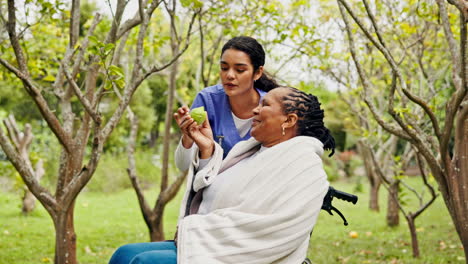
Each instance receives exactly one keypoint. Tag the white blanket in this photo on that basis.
(265, 215)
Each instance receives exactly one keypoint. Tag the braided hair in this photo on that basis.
(310, 121)
(254, 50)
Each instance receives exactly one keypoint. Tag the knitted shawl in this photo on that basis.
(265, 215)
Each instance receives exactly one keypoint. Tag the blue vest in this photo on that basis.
(216, 103)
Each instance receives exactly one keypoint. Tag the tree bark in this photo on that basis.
(393, 211)
(414, 236)
(157, 225)
(65, 238)
(458, 177)
(374, 197)
(374, 179)
(29, 200)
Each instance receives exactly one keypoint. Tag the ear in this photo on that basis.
(258, 73)
(291, 120)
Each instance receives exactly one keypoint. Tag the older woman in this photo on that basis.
(260, 204)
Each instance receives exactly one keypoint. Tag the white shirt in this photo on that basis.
(242, 125)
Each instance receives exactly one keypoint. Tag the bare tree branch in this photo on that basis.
(74, 23)
(78, 182)
(366, 84)
(120, 47)
(140, 42)
(136, 20)
(202, 51)
(374, 23)
(214, 50)
(407, 133)
(459, 59)
(84, 45)
(112, 36)
(428, 186)
(11, 28)
(427, 110)
(13, 132)
(27, 174)
(48, 115)
(172, 190)
(454, 50)
(86, 104)
(131, 170)
(171, 11)
(155, 69)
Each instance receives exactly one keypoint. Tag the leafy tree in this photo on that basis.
(81, 76)
(412, 48)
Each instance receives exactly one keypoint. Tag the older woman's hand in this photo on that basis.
(193, 132)
(203, 137)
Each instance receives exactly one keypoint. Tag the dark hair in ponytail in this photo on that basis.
(310, 122)
(256, 54)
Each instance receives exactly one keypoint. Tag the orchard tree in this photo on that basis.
(153, 217)
(83, 75)
(22, 142)
(413, 47)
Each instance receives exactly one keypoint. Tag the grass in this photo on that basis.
(377, 243)
(102, 223)
(105, 221)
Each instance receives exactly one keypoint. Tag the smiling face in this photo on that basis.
(269, 118)
(237, 72)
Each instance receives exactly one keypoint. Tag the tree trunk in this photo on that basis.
(414, 236)
(29, 201)
(156, 234)
(374, 179)
(374, 197)
(393, 216)
(65, 238)
(457, 205)
(460, 172)
(157, 228)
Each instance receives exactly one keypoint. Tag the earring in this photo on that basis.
(283, 133)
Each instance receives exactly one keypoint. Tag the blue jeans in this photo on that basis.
(146, 253)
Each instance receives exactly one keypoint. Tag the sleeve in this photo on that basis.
(206, 174)
(277, 235)
(184, 156)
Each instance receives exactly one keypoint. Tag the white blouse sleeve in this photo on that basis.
(184, 156)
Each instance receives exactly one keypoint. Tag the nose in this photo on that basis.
(256, 109)
(230, 74)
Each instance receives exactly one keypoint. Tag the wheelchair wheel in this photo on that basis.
(307, 261)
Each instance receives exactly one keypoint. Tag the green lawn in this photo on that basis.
(105, 221)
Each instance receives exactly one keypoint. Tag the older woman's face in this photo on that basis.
(268, 118)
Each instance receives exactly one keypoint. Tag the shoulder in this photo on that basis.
(243, 146)
(210, 97)
(213, 90)
(302, 145)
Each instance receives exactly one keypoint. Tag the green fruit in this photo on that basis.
(198, 114)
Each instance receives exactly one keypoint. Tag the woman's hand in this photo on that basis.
(193, 132)
(203, 137)
(183, 120)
